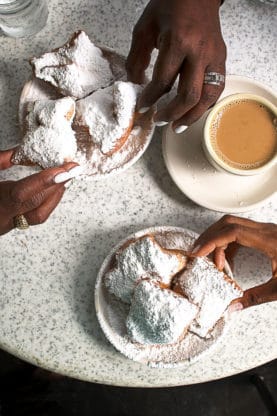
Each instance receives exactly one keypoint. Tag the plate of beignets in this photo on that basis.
(158, 305)
(106, 134)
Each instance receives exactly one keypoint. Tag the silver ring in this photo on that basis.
(20, 222)
(214, 78)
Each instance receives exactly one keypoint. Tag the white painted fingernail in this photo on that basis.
(161, 123)
(180, 129)
(67, 184)
(62, 177)
(76, 171)
(197, 248)
(143, 110)
(227, 268)
(235, 307)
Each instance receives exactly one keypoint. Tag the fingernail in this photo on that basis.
(143, 110)
(76, 171)
(62, 177)
(227, 268)
(180, 129)
(67, 184)
(161, 123)
(197, 248)
(235, 307)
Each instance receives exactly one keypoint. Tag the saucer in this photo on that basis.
(201, 182)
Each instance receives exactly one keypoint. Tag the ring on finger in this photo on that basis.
(20, 222)
(214, 78)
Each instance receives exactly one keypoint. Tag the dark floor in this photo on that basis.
(27, 391)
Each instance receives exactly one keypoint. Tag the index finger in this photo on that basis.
(165, 72)
(243, 235)
(138, 58)
(24, 189)
(223, 232)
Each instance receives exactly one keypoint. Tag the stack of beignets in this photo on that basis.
(168, 292)
(105, 107)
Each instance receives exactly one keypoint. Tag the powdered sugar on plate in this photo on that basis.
(158, 316)
(49, 140)
(142, 258)
(108, 114)
(207, 287)
(112, 313)
(95, 164)
(76, 69)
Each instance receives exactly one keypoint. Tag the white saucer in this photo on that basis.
(196, 178)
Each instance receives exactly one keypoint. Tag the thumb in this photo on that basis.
(5, 158)
(266, 292)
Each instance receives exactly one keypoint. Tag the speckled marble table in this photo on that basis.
(47, 274)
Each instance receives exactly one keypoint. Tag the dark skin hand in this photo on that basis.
(35, 196)
(260, 236)
(188, 36)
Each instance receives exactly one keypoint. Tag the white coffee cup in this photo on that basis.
(208, 148)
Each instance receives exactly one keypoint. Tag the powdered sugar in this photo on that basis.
(49, 139)
(112, 313)
(76, 69)
(108, 113)
(207, 287)
(158, 316)
(140, 259)
(94, 162)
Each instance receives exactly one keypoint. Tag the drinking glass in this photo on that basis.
(19, 18)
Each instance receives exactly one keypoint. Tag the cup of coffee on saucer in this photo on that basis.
(240, 135)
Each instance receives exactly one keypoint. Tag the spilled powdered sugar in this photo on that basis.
(76, 69)
(108, 113)
(112, 313)
(207, 287)
(141, 259)
(158, 316)
(49, 140)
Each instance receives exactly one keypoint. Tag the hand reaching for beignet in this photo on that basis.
(35, 196)
(260, 236)
(188, 36)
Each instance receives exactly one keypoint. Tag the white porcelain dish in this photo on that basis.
(112, 313)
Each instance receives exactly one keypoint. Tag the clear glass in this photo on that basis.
(19, 18)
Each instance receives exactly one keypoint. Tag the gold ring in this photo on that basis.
(20, 222)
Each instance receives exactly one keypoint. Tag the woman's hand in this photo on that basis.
(260, 236)
(188, 36)
(35, 196)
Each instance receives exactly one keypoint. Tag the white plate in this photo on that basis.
(193, 174)
(112, 313)
(96, 164)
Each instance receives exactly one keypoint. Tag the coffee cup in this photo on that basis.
(240, 134)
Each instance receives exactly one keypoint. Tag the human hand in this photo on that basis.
(35, 196)
(188, 36)
(260, 236)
